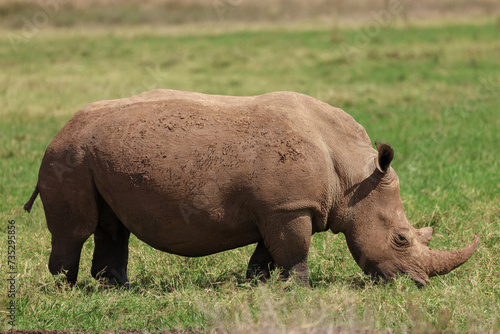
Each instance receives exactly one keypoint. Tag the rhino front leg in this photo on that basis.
(261, 263)
(287, 236)
(111, 248)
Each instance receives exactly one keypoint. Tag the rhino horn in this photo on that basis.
(442, 262)
(425, 234)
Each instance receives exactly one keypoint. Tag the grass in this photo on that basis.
(432, 92)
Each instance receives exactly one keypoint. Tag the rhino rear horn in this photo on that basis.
(424, 234)
(385, 156)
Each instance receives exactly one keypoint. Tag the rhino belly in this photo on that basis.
(172, 219)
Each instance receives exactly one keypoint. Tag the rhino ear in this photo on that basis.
(385, 156)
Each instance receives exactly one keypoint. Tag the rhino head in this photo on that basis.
(380, 237)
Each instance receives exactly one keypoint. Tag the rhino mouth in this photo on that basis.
(377, 276)
(380, 277)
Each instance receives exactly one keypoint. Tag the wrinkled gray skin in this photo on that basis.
(194, 174)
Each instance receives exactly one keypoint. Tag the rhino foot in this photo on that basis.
(261, 263)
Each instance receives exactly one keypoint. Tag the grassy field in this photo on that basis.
(432, 92)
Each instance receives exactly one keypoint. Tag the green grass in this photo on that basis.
(431, 92)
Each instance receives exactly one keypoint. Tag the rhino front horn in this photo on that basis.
(442, 262)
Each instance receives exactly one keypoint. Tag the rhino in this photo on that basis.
(195, 174)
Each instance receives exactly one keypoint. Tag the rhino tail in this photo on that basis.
(29, 204)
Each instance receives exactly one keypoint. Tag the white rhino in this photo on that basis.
(195, 174)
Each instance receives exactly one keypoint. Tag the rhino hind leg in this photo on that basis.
(65, 257)
(261, 263)
(71, 219)
(110, 257)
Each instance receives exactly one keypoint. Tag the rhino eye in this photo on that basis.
(400, 240)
